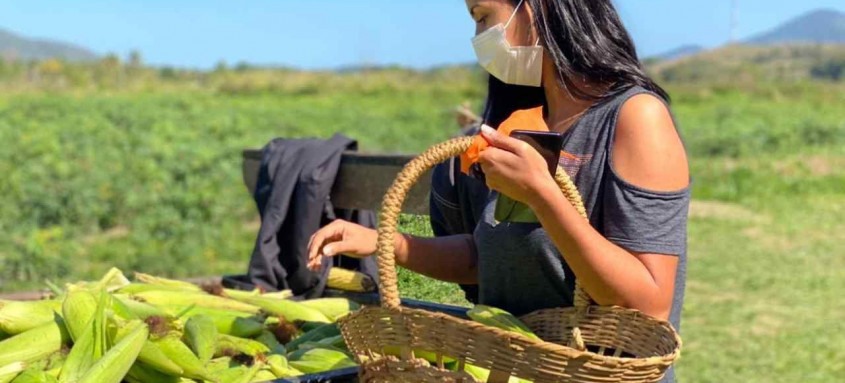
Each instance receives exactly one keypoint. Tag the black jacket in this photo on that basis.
(292, 195)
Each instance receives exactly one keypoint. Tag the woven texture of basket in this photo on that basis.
(583, 343)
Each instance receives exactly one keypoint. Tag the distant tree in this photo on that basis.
(221, 66)
(832, 69)
(135, 59)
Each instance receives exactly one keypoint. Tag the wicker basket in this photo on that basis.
(584, 343)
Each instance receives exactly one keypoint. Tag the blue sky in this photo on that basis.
(334, 33)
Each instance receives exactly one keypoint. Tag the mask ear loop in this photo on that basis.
(515, 10)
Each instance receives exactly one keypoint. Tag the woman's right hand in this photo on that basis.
(340, 237)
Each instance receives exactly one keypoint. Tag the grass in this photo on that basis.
(149, 179)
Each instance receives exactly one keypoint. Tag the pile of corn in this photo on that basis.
(159, 330)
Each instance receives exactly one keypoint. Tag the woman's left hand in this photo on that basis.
(514, 168)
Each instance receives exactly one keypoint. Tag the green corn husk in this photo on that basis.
(290, 310)
(114, 365)
(78, 307)
(34, 376)
(189, 298)
(10, 371)
(219, 364)
(284, 294)
(17, 317)
(181, 354)
(240, 374)
(135, 287)
(495, 317)
(318, 360)
(128, 308)
(278, 365)
(201, 336)
(228, 345)
(89, 347)
(239, 324)
(263, 375)
(482, 374)
(325, 331)
(268, 339)
(154, 358)
(153, 280)
(332, 308)
(36, 344)
(142, 373)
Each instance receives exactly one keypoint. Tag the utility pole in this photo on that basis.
(734, 20)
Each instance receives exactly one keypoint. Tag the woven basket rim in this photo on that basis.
(550, 346)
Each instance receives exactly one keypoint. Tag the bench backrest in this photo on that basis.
(361, 181)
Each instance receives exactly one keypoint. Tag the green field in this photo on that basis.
(147, 177)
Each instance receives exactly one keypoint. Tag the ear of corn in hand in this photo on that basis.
(348, 280)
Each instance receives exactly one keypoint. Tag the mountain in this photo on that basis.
(22, 48)
(820, 26)
(679, 52)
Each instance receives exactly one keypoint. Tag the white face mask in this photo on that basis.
(511, 65)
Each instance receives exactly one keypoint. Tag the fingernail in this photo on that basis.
(328, 251)
(486, 129)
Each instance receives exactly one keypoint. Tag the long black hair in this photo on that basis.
(587, 41)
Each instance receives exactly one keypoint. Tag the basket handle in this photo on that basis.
(392, 206)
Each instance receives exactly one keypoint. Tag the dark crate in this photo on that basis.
(347, 374)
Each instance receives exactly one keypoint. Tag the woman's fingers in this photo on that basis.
(318, 241)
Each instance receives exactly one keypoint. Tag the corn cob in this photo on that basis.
(333, 308)
(325, 331)
(34, 376)
(495, 317)
(219, 364)
(190, 298)
(128, 308)
(152, 356)
(268, 339)
(290, 310)
(348, 280)
(318, 360)
(278, 364)
(235, 323)
(482, 374)
(228, 345)
(112, 280)
(141, 373)
(114, 365)
(89, 347)
(153, 280)
(135, 287)
(35, 344)
(263, 375)
(10, 371)
(179, 353)
(17, 317)
(78, 307)
(284, 294)
(201, 336)
(240, 374)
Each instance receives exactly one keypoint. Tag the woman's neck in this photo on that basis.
(564, 109)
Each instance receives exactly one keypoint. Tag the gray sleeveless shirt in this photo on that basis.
(519, 268)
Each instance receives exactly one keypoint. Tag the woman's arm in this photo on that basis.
(647, 153)
(449, 258)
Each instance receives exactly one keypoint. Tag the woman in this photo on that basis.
(574, 58)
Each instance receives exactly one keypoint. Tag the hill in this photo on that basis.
(823, 26)
(793, 62)
(13, 46)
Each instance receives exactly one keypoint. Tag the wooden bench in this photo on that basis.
(361, 181)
